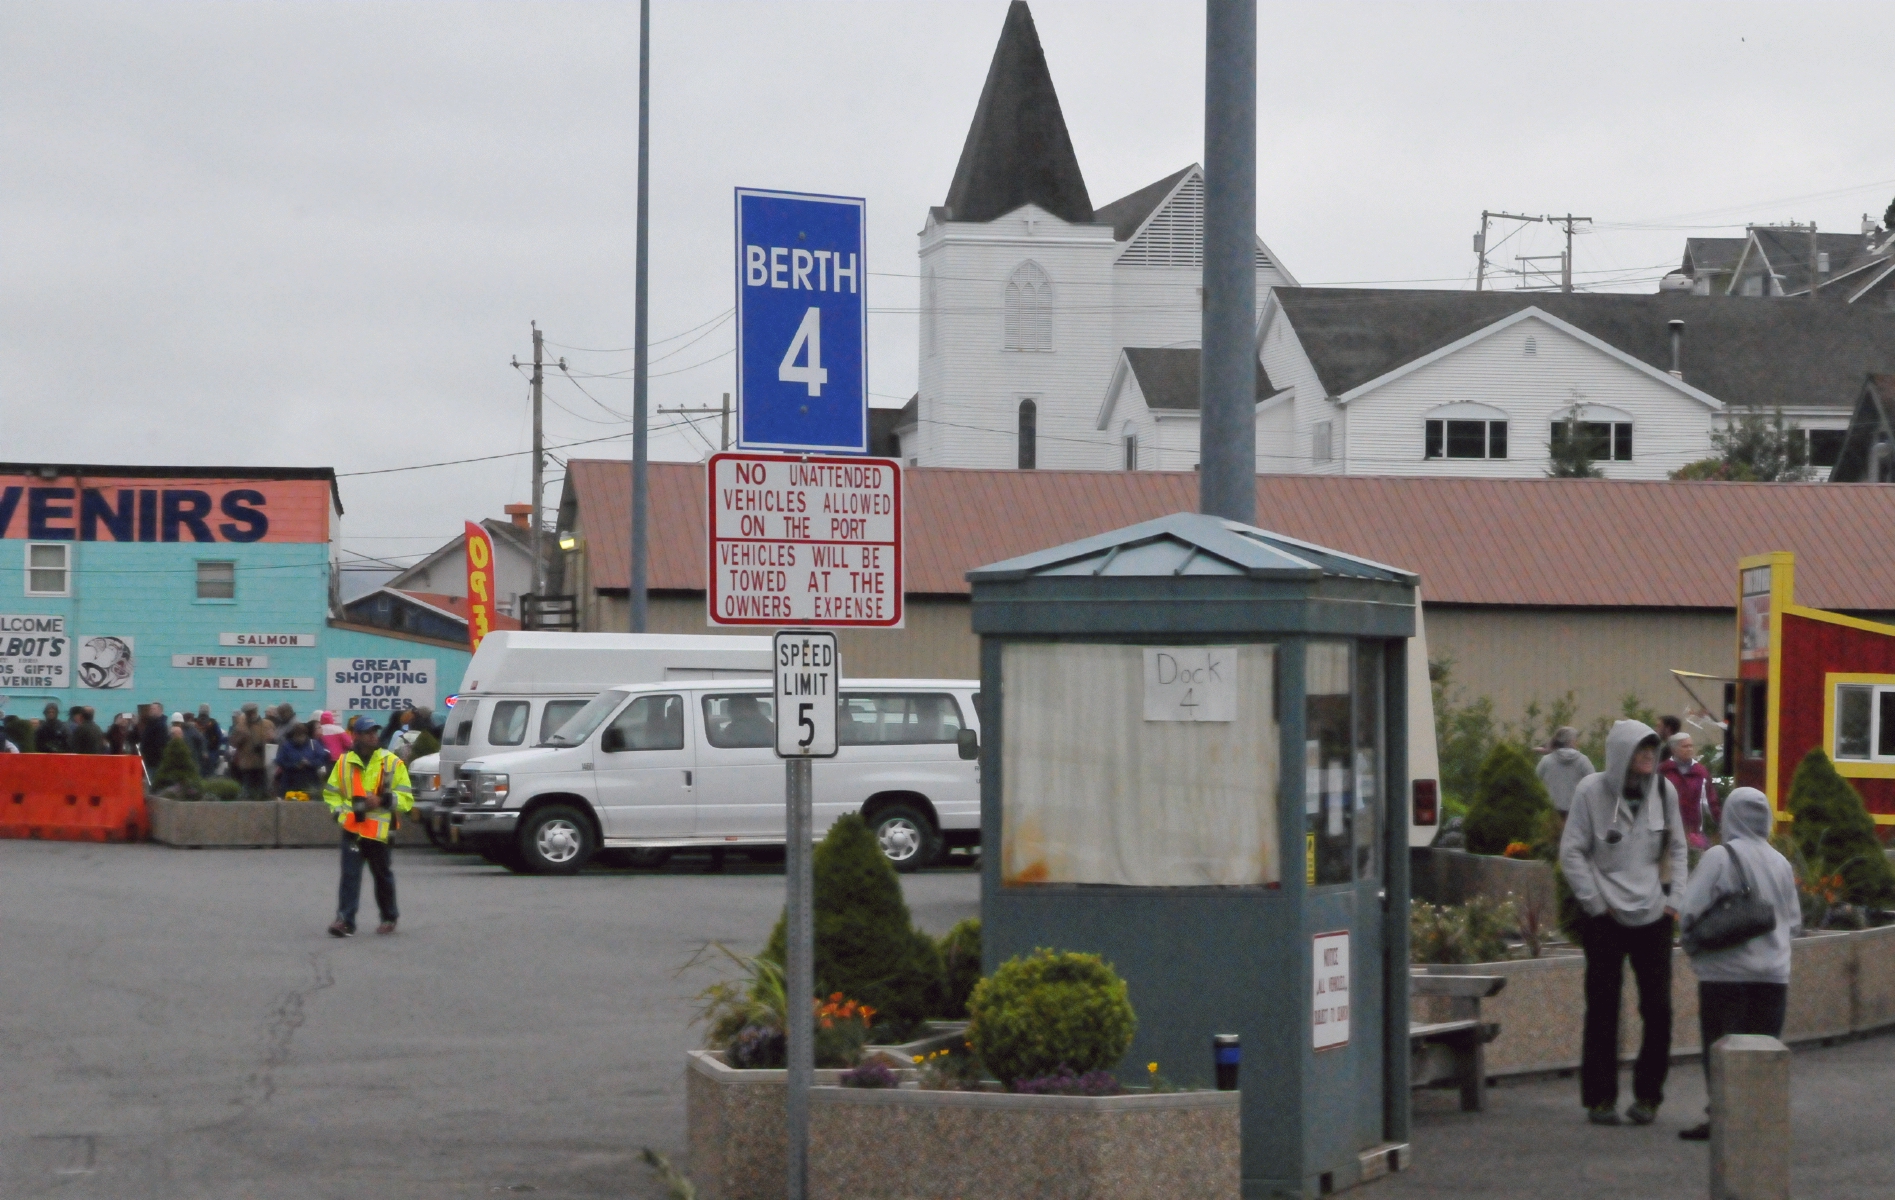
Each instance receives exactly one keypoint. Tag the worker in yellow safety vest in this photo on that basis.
(368, 791)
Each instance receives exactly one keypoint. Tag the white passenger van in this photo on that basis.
(654, 768)
(521, 686)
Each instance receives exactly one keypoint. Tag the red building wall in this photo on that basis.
(1809, 650)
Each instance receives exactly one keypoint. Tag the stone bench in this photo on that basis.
(1452, 1052)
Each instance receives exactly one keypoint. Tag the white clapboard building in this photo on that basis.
(1031, 297)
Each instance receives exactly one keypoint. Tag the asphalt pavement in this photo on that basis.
(174, 1024)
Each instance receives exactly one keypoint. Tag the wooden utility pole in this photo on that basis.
(539, 456)
(1480, 243)
(723, 410)
(1566, 268)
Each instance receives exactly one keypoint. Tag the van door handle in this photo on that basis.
(687, 779)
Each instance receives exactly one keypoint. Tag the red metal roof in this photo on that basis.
(1518, 542)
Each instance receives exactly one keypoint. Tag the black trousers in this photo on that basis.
(355, 852)
(1608, 944)
(1739, 1008)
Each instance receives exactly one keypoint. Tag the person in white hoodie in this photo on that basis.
(1743, 988)
(1563, 767)
(1622, 849)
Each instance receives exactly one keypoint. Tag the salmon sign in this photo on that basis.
(807, 541)
(479, 585)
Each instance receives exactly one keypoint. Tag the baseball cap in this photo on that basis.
(363, 725)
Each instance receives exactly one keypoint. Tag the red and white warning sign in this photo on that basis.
(805, 541)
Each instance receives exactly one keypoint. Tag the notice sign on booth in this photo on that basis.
(1331, 1014)
(805, 541)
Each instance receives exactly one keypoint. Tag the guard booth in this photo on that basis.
(1191, 729)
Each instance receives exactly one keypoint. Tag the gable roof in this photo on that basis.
(1017, 150)
(1742, 350)
(1473, 541)
(1874, 416)
(1786, 253)
(503, 532)
(1715, 255)
(1127, 213)
(1535, 312)
(1168, 377)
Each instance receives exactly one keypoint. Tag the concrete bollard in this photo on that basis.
(1750, 1118)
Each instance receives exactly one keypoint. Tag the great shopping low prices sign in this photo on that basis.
(380, 685)
(805, 541)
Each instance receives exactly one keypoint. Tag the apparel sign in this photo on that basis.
(376, 685)
(266, 683)
(34, 652)
(480, 589)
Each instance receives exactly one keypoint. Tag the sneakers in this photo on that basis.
(1603, 1114)
(1697, 1133)
(341, 928)
(385, 928)
(1642, 1112)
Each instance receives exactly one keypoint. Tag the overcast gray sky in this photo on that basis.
(313, 234)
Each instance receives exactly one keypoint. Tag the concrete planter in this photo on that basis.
(252, 823)
(1840, 984)
(734, 1128)
(908, 1144)
(1455, 877)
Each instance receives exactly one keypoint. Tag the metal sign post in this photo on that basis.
(807, 668)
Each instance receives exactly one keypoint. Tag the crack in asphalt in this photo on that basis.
(286, 1017)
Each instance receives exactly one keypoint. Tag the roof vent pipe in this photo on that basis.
(1677, 348)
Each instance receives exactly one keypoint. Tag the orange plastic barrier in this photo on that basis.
(73, 797)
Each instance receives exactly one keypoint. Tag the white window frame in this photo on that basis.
(1027, 310)
(198, 581)
(1876, 691)
(1322, 442)
(64, 568)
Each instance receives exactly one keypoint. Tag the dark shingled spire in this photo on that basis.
(1017, 150)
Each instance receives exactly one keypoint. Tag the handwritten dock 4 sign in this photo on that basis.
(802, 322)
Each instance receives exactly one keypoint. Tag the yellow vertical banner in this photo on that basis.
(480, 589)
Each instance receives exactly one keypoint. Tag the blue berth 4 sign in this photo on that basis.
(802, 323)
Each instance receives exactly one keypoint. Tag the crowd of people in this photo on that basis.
(1632, 832)
(269, 752)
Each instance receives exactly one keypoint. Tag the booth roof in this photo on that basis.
(1537, 543)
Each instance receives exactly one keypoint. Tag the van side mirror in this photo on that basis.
(612, 741)
(969, 743)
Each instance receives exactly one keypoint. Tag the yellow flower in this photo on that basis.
(917, 1058)
(1152, 1067)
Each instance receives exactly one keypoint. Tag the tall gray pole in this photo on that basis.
(1227, 425)
(641, 326)
(539, 461)
(800, 971)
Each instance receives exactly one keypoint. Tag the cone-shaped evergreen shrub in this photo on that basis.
(1049, 1011)
(177, 769)
(1508, 801)
(1835, 833)
(960, 967)
(867, 947)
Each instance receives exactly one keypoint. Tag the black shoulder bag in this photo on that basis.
(1733, 918)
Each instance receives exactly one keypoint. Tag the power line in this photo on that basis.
(658, 342)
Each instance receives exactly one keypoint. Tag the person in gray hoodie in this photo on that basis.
(1621, 853)
(1743, 988)
(1563, 767)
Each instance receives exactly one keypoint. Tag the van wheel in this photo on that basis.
(557, 840)
(906, 837)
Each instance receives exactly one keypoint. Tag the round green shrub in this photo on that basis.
(222, 788)
(1508, 802)
(867, 946)
(1834, 831)
(960, 967)
(1047, 1011)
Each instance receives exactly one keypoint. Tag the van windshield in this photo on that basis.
(587, 719)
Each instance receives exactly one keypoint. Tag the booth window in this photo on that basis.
(217, 581)
(1604, 441)
(1464, 439)
(1094, 793)
(1342, 759)
(48, 569)
(1865, 722)
(1756, 717)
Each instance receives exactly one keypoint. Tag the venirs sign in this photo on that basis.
(75, 508)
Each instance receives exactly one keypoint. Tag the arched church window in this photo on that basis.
(1029, 308)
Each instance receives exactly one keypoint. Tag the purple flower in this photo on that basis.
(869, 1075)
(1065, 1083)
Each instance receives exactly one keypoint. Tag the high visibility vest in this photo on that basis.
(353, 780)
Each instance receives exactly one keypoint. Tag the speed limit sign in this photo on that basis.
(807, 666)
